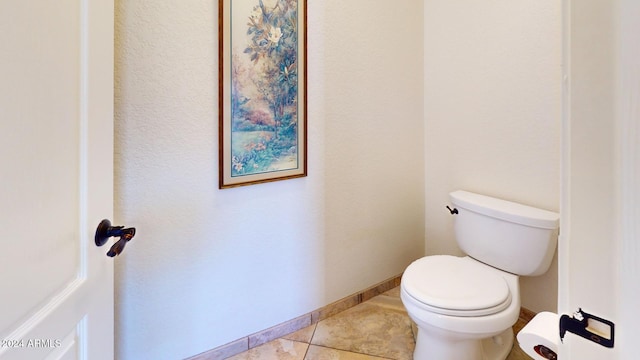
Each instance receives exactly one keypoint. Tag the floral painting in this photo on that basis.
(263, 91)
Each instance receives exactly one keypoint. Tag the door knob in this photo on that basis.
(105, 231)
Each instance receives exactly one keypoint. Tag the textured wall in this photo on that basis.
(492, 113)
(210, 266)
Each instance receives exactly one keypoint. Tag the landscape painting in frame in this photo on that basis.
(262, 91)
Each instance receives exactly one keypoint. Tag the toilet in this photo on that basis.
(464, 307)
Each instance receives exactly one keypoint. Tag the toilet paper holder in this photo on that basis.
(588, 326)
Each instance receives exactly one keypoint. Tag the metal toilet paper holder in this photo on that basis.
(588, 326)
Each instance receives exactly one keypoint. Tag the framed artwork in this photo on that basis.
(262, 91)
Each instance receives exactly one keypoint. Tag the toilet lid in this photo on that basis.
(457, 286)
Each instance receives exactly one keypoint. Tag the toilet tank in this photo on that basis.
(516, 238)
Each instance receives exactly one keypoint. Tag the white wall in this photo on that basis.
(209, 266)
(492, 105)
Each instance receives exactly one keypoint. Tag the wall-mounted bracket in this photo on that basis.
(588, 326)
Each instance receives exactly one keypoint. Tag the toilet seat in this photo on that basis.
(456, 286)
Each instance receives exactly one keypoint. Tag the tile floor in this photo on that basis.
(375, 329)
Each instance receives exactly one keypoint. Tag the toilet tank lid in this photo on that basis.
(505, 210)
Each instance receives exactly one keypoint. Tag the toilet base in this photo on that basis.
(432, 346)
(499, 346)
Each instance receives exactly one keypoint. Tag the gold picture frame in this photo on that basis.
(262, 91)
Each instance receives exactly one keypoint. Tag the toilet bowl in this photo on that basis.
(459, 306)
(464, 307)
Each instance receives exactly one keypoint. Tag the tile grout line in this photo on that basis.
(310, 341)
(350, 352)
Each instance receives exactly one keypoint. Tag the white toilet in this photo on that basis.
(464, 307)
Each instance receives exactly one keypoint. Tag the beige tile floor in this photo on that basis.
(376, 329)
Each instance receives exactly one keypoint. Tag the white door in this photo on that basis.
(599, 269)
(56, 178)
